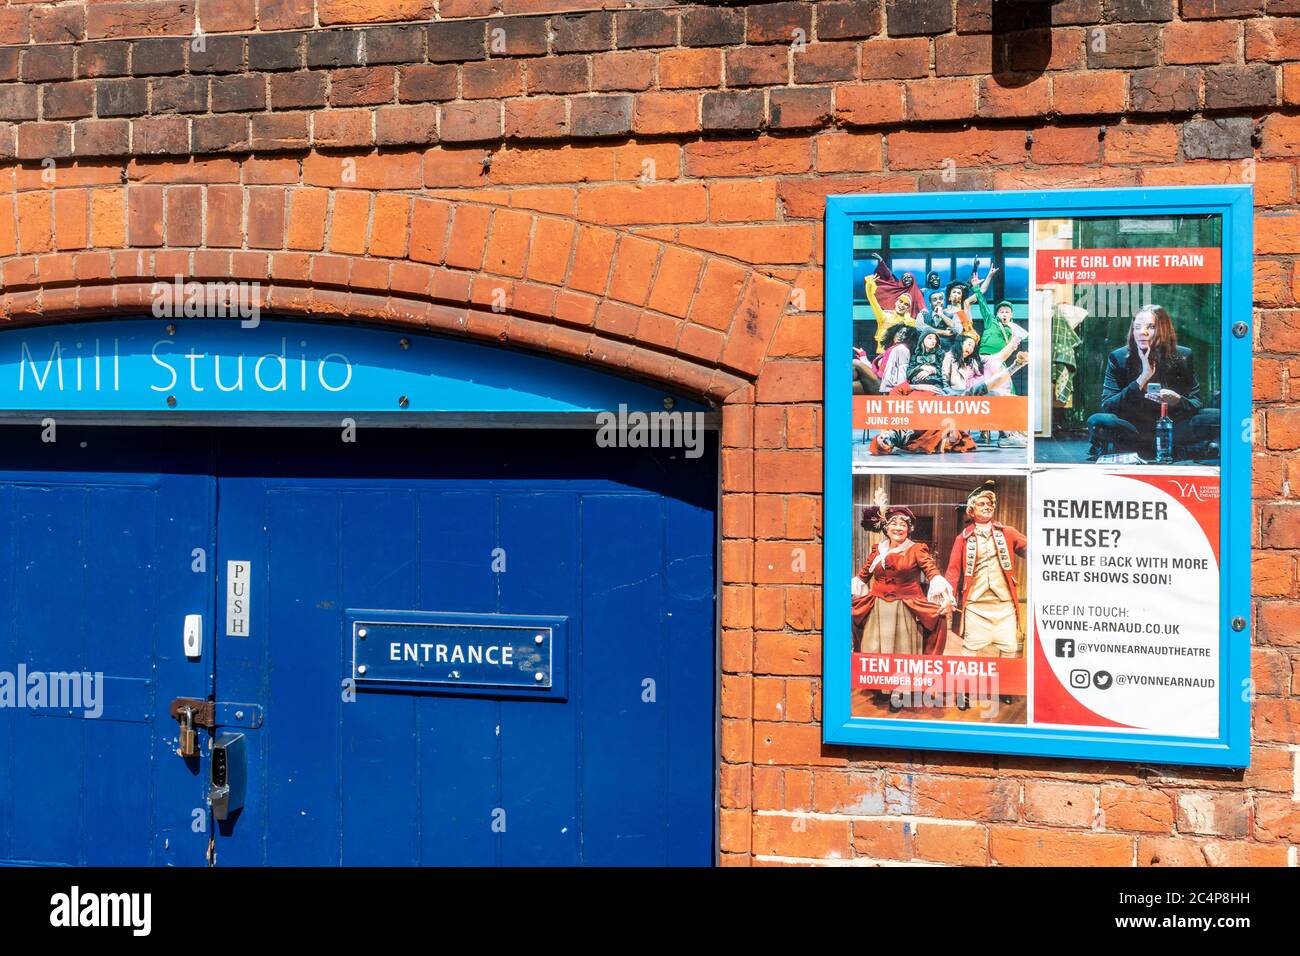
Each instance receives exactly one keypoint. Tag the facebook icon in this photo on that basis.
(1064, 647)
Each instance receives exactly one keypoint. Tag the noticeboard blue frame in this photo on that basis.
(1236, 205)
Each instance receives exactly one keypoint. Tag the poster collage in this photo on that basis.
(1036, 472)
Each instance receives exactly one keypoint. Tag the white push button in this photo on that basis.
(193, 636)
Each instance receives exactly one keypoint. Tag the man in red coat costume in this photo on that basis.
(981, 569)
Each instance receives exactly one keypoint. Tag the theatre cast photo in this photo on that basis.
(940, 564)
(1134, 373)
(958, 333)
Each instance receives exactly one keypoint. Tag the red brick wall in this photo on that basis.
(643, 189)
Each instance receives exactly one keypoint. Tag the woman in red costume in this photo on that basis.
(892, 612)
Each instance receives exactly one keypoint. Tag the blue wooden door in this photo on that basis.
(109, 538)
(620, 542)
(104, 543)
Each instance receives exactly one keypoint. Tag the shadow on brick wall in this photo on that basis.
(1022, 40)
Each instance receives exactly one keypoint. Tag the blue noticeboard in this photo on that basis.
(1037, 486)
(182, 367)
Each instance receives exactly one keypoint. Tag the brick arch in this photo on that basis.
(632, 302)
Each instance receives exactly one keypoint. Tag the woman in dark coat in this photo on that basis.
(1129, 411)
(925, 368)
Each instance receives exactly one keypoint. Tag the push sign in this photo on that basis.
(470, 653)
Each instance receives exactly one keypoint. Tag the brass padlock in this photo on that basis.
(189, 742)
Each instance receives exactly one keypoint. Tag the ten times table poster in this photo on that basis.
(1037, 473)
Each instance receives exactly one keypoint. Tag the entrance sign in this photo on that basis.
(1037, 484)
(464, 652)
(185, 366)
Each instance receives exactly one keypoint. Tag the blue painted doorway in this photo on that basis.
(100, 562)
(102, 530)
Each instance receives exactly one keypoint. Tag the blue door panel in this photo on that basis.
(8, 652)
(381, 771)
(458, 537)
(474, 524)
(460, 747)
(243, 666)
(460, 753)
(691, 666)
(46, 601)
(116, 793)
(539, 739)
(97, 573)
(186, 553)
(117, 820)
(104, 549)
(624, 652)
(291, 665)
(302, 802)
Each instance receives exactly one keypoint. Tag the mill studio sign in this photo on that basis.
(144, 370)
(223, 366)
(163, 355)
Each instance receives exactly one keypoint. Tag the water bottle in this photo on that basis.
(1164, 437)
